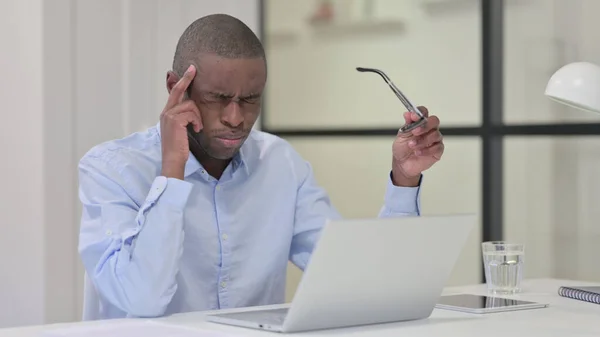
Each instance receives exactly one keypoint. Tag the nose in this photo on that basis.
(232, 115)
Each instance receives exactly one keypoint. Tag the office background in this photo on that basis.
(79, 72)
(482, 67)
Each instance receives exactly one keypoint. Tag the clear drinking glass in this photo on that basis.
(503, 263)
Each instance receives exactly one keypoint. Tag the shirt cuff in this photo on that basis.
(404, 200)
(176, 193)
(171, 191)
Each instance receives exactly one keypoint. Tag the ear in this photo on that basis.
(172, 79)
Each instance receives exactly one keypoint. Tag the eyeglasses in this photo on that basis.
(407, 103)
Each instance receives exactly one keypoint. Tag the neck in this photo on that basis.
(214, 167)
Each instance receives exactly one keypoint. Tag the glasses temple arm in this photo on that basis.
(395, 89)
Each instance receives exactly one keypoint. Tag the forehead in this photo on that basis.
(237, 76)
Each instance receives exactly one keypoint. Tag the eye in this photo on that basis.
(216, 98)
(222, 98)
(251, 100)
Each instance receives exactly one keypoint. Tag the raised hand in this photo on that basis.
(174, 119)
(416, 151)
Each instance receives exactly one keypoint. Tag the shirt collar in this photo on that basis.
(192, 165)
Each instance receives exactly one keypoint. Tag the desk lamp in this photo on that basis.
(576, 85)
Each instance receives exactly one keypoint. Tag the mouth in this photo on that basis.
(230, 141)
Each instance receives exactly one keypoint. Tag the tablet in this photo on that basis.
(478, 304)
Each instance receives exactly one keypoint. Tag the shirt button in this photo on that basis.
(109, 232)
(223, 284)
(218, 188)
(224, 236)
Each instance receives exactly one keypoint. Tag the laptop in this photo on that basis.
(367, 271)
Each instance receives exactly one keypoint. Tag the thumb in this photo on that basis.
(410, 117)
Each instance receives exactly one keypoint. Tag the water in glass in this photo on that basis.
(503, 270)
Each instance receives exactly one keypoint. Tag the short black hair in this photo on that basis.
(220, 34)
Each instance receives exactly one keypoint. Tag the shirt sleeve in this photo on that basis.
(131, 252)
(314, 208)
(401, 201)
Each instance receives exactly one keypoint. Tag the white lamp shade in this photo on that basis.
(576, 85)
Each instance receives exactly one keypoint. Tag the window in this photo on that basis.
(482, 67)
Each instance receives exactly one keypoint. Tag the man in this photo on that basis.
(201, 212)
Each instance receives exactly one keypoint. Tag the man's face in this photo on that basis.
(228, 94)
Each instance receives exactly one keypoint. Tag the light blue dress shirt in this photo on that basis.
(154, 246)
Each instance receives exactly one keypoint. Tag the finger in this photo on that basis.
(178, 90)
(183, 107)
(432, 137)
(191, 114)
(433, 123)
(423, 110)
(190, 117)
(436, 150)
(196, 122)
(410, 117)
(195, 118)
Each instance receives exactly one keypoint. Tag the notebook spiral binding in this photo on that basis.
(579, 294)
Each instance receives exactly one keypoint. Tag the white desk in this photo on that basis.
(564, 317)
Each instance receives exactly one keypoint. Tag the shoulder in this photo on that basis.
(267, 150)
(139, 152)
(265, 145)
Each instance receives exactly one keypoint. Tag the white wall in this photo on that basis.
(22, 200)
(75, 73)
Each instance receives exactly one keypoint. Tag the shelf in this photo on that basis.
(449, 6)
(363, 27)
(437, 7)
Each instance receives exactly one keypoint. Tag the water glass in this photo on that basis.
(503, 263)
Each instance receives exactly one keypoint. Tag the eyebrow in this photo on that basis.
(220, 94)
(227, 95)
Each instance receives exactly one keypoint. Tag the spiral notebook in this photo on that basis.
(587, 294)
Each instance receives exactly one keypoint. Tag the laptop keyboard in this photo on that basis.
(268, 316)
